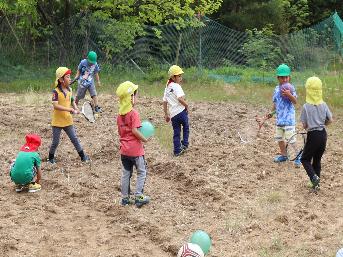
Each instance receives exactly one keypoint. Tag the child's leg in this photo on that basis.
(185, 126)
(280, 139)
(320, 138)
(80, 93)
(307, 155)
(70, 131)
(177, 133)
(56, 133)
(141, 174)
(127, 170)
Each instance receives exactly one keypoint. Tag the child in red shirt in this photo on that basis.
(131, 146)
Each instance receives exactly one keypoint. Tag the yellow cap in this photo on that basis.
(314, 91)
(174, 70)
(60, 72)
(124, 92)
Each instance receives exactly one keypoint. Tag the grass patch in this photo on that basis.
(164, 135)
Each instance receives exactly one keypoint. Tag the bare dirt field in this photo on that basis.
(249, 205)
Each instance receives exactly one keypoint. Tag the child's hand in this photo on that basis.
(75, 111)
(167, 118)
(286, 93)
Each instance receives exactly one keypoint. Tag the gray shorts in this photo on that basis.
(81, 90)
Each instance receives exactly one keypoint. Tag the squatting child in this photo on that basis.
(25, 170)
(62, 119)
(315, 115)
(131, 146)
(86, 71)
(176, 109)
(284, 99)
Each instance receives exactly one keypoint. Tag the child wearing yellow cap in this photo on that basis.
(176, 109)
(315, 115)
(131, 146)
(63, 106)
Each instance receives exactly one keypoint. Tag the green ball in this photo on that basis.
(147, 129)
(202, 239)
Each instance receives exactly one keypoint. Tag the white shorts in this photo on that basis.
(284, 133)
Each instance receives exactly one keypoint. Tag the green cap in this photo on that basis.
(283, 70)
(91, 57)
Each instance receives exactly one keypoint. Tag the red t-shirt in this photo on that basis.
(130, 145)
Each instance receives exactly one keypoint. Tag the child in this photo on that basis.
(62, 119)
(314, 116)
(87, 69)
(174, 101)
(131, 147)
(284, 99)
(25, 170)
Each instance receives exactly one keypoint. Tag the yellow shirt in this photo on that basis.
(62, 118)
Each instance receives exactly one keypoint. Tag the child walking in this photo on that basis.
(131, 146)
(86, 71)
(315, 115)
(176, 109)
(25, 170)
(284, 99)
(64, 105)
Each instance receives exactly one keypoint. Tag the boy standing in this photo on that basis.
(174, 102)
(284, 99)
(131, 147)
(314, 116)
(86, 71)
(25, 170)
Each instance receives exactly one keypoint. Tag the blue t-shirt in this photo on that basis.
(87, 72)
(285, 111)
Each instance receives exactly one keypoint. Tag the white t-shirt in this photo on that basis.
(171, 93)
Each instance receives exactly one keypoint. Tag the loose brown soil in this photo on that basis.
(249, 205)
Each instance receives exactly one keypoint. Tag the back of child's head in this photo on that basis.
(283, 70)
(313, 87)
(124, 91)
(33, 142)
(60, 73)
(92, 57)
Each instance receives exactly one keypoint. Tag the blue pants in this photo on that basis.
(179, 120)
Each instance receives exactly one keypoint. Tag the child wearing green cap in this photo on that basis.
(131, 146)
(315, 115)
(284, 99)
(86, 71)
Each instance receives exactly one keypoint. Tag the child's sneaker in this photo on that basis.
(180, 153)
(97, 109)
(34, 187)
(297, 163)
(280, 158)
(19, 188)
(141, 200)
(51, 161)
(85, 158)
(127, 201)
(315, 182)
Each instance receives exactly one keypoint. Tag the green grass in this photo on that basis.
(198, 84)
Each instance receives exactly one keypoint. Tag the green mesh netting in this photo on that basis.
(211, 48)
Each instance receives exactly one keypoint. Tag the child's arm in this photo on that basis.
(77, 74)
(62, 108)
(139, 135)
(183, 102)
(39, 175)
(305, 126)
(165, 109)
(97, 79)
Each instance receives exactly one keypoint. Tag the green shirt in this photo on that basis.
(22, 170)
